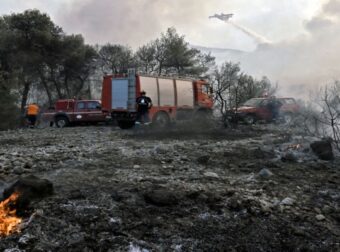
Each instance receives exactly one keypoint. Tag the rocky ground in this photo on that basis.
(246, 189)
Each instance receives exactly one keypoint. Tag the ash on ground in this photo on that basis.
(246, 189)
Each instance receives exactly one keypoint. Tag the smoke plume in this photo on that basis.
(132, 22)
(297, 64)
(306, 62)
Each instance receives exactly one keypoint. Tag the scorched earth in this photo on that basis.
(248, 189)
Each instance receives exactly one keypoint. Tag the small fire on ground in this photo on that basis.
(9, 222)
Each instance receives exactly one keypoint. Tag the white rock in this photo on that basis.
(320, 217)
(211, 175)
(136, 166)
(265, 173)
(287, 202)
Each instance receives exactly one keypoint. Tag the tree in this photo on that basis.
(115, 58)
(232, 88)
(327, 103)
(171, 54)
(76, 66)
(9, 111)
(224, 80)
(146, 59)
(27, 35)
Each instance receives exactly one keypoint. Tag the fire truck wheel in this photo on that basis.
(161, 120)
(126, 124)
(61, 121)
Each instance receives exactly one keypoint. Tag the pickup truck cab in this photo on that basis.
(70, 111)
(257, 109)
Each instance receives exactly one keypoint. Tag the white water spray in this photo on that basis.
(258, 38)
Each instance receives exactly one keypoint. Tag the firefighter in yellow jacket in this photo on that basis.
(32, 114)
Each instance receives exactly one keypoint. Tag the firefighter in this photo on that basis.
(32, 112)
(274, 106)
(144, 103)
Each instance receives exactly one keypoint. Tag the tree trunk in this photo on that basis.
(24, 98)
(48, 91)
(56, 84)
(67, 87)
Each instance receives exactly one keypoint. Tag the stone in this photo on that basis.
(265, 173)
(287, 201)
(327, 209)
(289, 157)
(320, 217)
(203, 159)
(25, 240)
(211, 175)
(29, 188)
(262, 153)
(28, 165)
(161, 197)
(323, 149)
(136, 166)
(251, 165)
(18, 170)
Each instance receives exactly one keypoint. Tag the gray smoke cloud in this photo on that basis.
(132, 22)
(306, 62)
(298, 64)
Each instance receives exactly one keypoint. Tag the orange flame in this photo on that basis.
(8, 220)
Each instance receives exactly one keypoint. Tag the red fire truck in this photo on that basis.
(172, 98)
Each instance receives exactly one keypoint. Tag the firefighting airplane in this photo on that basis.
(223, 17)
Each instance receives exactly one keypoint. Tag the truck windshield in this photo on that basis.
(252, 102)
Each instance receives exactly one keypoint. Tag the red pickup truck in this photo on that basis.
(70, 111)
(256, 109)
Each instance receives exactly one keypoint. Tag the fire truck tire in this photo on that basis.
(161, 120)
(249, 119)
(125, 124)
(61, 121)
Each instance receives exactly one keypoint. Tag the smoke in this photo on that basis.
(306, 62)
(258, 38)
(131, 22)
(298, 64)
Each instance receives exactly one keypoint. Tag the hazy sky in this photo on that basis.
(134, 22)
(305, 34)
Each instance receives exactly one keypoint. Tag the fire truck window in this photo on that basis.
(205, 89)
(93, 105)
(81, 105)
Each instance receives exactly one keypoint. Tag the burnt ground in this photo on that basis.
(245, 189)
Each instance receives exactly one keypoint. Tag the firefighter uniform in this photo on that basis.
(32, 113)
